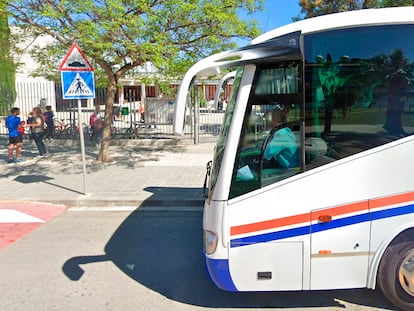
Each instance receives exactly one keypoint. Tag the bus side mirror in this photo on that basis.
(208, 172)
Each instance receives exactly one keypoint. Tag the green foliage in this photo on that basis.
(391, 3)
(119, 35)
(7, 72)
(166, 89)
(172, 34)
(312, 8)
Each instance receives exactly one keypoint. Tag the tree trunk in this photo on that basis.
(8, 70)
(397, 94)
(106, 134)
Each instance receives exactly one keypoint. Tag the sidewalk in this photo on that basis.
(144, 172)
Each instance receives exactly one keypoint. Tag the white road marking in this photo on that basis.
(13, 216)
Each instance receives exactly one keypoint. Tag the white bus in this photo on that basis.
(312, 183)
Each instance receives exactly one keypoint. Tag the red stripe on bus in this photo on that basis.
(391, 200)
(333, 211)
(270, 224)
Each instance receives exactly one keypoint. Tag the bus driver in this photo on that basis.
(283, 146)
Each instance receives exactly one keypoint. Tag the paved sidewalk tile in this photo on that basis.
(141, 173)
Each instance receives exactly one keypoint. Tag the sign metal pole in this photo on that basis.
(78, 83)
(82, 143)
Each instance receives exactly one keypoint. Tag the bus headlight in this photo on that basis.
(210, 242)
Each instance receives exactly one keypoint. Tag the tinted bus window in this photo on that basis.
(359, 90)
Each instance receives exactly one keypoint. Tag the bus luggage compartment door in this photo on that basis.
(267, 266)
(340, 247)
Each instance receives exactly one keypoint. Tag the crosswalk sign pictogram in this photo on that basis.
(75, 60)
(78, 85)
(78, 80)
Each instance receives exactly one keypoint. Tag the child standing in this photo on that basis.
(13, 123)
(49, 122)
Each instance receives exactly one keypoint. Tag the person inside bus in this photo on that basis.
(282, 146)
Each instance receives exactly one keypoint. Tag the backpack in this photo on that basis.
(92, 119)
(95, 121)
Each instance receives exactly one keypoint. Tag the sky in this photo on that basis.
(274, 14)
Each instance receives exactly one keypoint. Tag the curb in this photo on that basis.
(120, 203)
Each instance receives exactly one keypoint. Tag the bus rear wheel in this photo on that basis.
(396, 275)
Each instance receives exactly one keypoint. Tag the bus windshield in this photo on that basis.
(221, 143)
(269, 147)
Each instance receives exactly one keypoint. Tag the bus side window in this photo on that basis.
(358, 90)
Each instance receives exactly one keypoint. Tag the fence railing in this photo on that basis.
(157, 121)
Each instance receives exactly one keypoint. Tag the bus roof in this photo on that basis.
(283, 41)
(366, 17)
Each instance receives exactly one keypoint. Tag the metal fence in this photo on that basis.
(157, 121)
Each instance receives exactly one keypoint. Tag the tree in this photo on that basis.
(397, 72)
(7, 72)
(119, 35)
(312, 8)
(391, 3)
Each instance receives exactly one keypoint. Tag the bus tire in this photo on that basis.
(396, 274)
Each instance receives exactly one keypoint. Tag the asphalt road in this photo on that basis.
(147, 259)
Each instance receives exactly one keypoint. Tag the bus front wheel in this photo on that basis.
(396, 274)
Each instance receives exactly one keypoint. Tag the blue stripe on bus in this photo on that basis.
(272, 236)
(342, 222)
(392, 212)
(338, 223)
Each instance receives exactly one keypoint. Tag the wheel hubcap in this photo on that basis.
(406, 273)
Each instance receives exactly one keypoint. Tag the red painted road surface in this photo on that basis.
(19, 218)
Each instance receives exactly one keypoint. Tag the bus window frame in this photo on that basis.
(253, 98)
(224, 132)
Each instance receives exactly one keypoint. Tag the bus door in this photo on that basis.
(340, 246)
(263, 255)
(340, 225)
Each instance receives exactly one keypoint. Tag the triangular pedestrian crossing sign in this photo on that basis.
(75, 60)
(78, 87)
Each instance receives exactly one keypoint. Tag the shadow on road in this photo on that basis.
(29, 179)
(162, 250)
